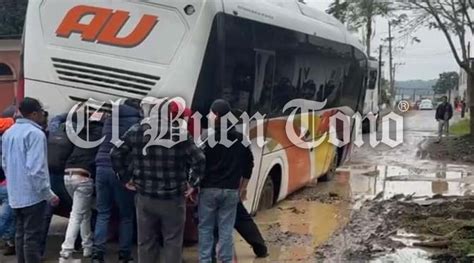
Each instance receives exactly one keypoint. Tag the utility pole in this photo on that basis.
(392, 70)
(379, 84)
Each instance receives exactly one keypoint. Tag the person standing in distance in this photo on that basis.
(25, 163)
(444, 113)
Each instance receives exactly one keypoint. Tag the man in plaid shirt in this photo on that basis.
(161, 177)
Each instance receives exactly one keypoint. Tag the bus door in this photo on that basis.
(260, 102)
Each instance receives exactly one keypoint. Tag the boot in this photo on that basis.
(97, 258)
(125, 257)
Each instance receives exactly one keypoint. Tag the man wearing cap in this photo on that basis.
(223, 186)
(24, 160)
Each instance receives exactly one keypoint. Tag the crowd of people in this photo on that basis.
(43, 168)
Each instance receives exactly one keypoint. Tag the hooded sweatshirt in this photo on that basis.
(128, 116)
(5, 124)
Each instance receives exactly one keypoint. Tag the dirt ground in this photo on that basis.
(443, 225)
(458, 149)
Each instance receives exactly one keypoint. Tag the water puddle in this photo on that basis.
(309, 218)
(407, 254)
(393, 180)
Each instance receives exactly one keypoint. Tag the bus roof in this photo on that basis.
(293, 15)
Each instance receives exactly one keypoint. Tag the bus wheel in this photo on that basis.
(332, 170)
(267, 196)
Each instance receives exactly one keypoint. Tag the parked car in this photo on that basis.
(426, 105)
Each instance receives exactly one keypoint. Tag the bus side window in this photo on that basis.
(263, 89)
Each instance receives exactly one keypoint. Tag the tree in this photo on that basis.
(454, 19)
(446, 81)
(12, 17)
(339, 10)
(359, 14)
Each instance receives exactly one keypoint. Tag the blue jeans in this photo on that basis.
(217, 206)
(109, 191)
(7, 217)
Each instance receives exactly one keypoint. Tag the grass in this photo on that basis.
(460, 128)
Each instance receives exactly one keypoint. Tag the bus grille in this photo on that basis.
(104, 77)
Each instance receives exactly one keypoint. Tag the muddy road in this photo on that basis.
(339, 221)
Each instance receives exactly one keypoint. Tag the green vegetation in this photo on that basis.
(460, 128)
(446, 81)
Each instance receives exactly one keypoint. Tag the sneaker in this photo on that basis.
(9, 250)
(65, 254)
(261, 251)
(96, 259)
(87, 252)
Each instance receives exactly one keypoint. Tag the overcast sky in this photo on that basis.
(425, 60)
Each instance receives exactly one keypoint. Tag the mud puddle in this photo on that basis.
(346, 219)
(386, 223)
(406, 229)
(443, 179)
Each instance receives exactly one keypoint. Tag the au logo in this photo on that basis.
(105, 26)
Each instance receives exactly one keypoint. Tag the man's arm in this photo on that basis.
(36, 160)
(119, 157)
(436, 112)
(197, 163)
(248, 164)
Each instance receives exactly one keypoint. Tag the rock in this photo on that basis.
(468, 205)
(376, 248)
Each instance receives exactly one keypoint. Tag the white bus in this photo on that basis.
(257, 54)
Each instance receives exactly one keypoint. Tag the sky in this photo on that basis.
(424, 60)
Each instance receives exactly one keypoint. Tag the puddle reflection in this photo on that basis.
(393, 180)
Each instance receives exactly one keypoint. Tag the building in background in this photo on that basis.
(462, 88)
(10, 48)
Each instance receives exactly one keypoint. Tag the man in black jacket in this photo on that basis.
(444, 113)
(228, 170)
(59, 150)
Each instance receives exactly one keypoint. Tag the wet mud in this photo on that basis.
(406, 228)
(454, 149)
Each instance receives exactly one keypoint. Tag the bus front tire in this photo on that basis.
(332, 170)
(267, 196)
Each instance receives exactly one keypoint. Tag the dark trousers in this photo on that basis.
(29, 229)
(111, 191)
(158, 219)
(247, 228)
(57, 185)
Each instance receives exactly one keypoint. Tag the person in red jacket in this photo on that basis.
(7, 219)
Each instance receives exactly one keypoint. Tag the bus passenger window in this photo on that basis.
(264, 71)
(282, 94)
(372, 80)
(309, 90)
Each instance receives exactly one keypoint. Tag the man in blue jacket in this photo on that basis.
(110, 190)
(25, 164)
